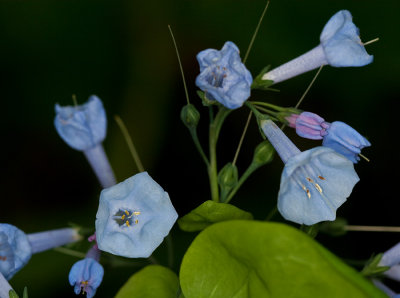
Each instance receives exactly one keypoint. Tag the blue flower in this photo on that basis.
(133, 217)
(82, 127)
(314, 183)
(345, 140)
(340, 46)
(223, 77)
(388, 291)
(86, 276)
(336, 135)
(15, 250)
(391, 258)
(5, 287)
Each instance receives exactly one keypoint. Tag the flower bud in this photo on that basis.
(263, 153)
(228, 177)
(190, 116)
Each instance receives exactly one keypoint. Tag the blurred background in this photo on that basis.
(122, 52)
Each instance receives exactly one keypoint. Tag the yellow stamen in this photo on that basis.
(127, 223)
(308, 194)
(318, 187)
(136, 213)
(309, 179)
(126, 212)
(123, 216)
(136, 221)
(320, 177)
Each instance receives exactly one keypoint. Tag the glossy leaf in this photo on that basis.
(153, 281)
(211, 212)
(259, 259)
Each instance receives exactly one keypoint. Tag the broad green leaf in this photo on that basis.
(153, 281)
(208, 213)
(244, 259)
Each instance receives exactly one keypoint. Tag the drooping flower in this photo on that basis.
(83, 127)
(86, 275)
(5, 287)
(223, 77)
(16, 247)
(314, 183)
(336, 135)
(133, 217)
(340, 46)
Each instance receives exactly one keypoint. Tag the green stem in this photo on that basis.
(196, 141)
(255, 111)
(268, 111)
(242, 179)
(272, 213)
(215, 128)
(261, 103)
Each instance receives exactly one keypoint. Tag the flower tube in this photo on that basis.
(16, 247)
(314, 183)
(83, 128)
(340, 46)
(223, 77)
(133, 217)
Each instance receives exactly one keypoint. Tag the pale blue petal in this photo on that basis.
(82, 127)
(345, 140)
(391, 257)
(21, 249)
(86, 270)
(223, 77)
(139, 193)
(326, 175)
(341, 42)
(388, 291)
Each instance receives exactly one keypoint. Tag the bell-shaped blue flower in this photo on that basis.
(83, 127)
(5, 287)
(314, 183)
(345, 140)
(86, 276)
(15, 250)
(340, 46)
(391, 258)
(336, 135)
(16, 247)
(223, 77)
(133, 217)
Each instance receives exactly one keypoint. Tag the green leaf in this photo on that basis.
(211, 212)
(258, 259)
(372, 268)
(152, 281)
(206, 102)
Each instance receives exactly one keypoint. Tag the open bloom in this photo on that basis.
(314, 183)
(86, 275)
(223, 77)
(83, 127)
(340, 46)
(133, 217)
(16, 247)
(336, 135)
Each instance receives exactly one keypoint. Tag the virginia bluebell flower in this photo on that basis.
(133, 217)
(86, 275)
(223, 77)
(340, 46)
(83, 127)
(336, 135)
(5, 287)
(391, 258)
(314, 183)
(16, 247)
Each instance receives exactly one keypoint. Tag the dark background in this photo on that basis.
(122, 52)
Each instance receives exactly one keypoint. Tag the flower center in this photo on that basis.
(126, 217)
(84, 285)
(216, 76)
(304, 180)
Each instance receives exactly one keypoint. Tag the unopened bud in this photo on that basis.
(263, 153)
(190, 116)
(228, 177)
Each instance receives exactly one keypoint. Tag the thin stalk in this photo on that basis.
(129, 142)
(196, 141)
(267, 111)
(272, 213)
(70, 252)
(372, 229)
(254, 110)
(309, 87)
(255, 33)
(180, 64)
(261, 103)
(242, 138)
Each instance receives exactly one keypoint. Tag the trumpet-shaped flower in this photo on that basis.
(16, 247)
(314, 183)
(83, 127)
(223, 77)
(86, 275)
(336, 135)
(5, 287)
(391, 258)
(133, 217)
(340, 46)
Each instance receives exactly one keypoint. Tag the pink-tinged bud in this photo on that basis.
(292, 120)
(311, 126)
